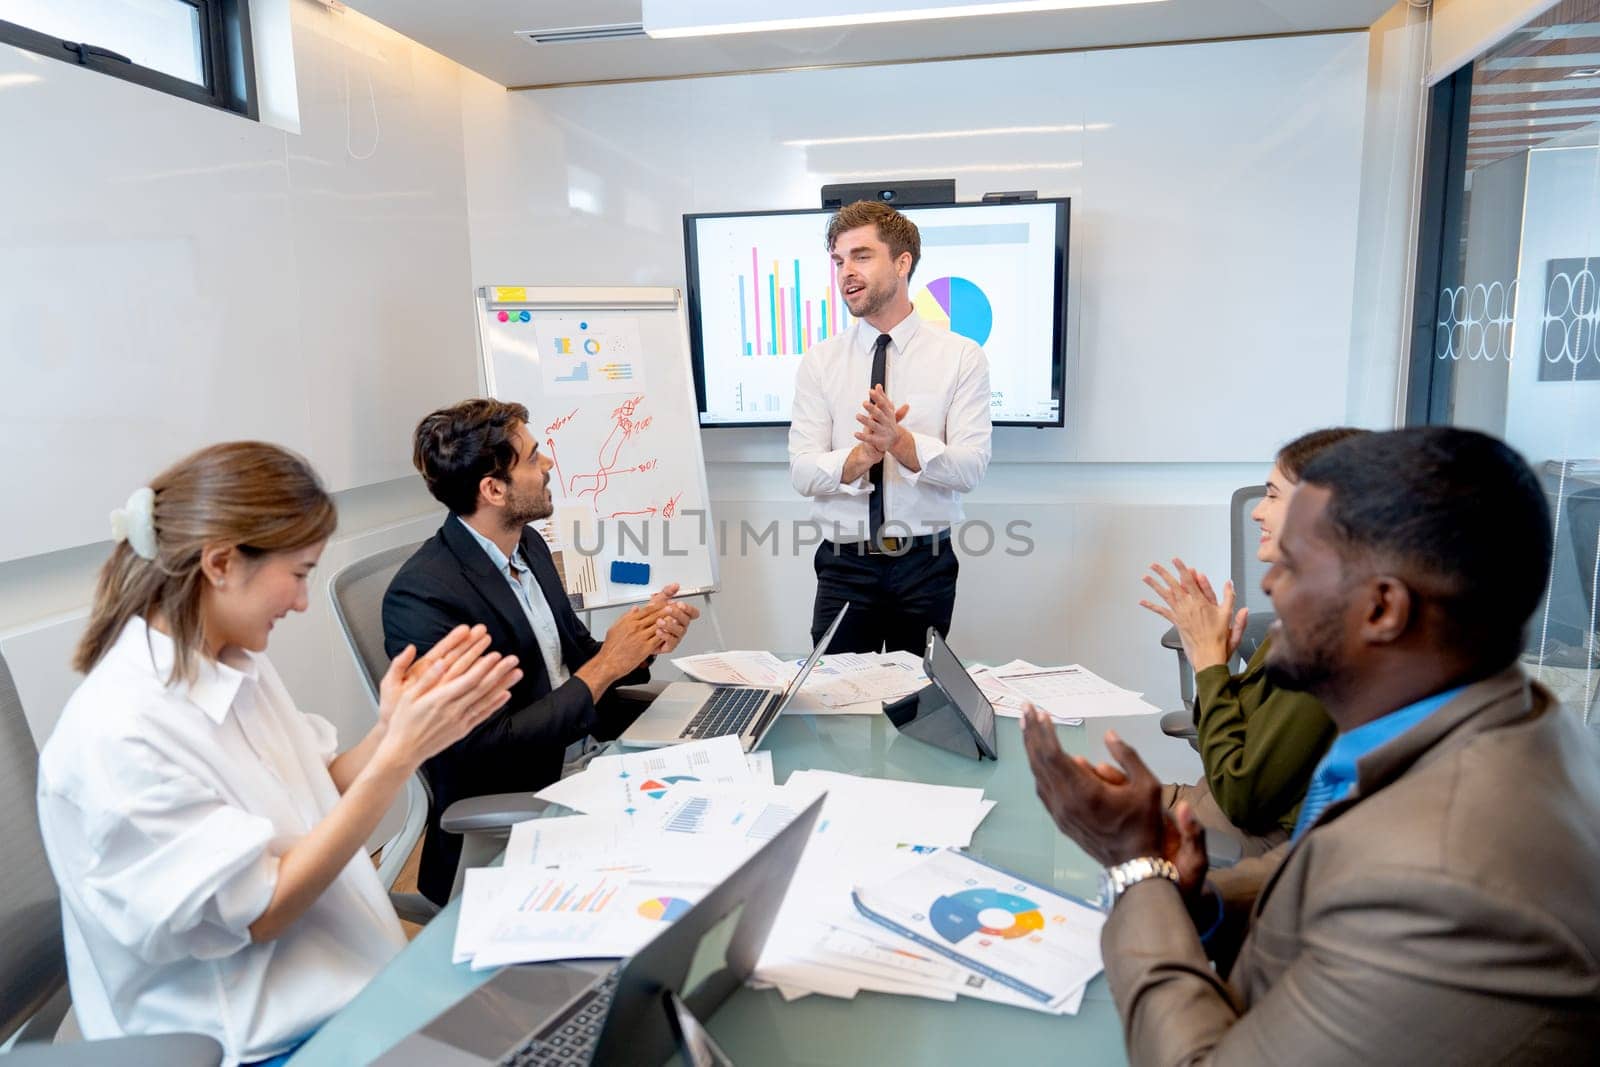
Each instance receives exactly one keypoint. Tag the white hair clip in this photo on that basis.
(135, 523)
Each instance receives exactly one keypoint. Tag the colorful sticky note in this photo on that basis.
(510, 294)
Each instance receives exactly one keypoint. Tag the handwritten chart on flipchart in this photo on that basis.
(606, 378)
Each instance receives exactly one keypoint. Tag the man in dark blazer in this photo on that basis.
(1436, 902)
(487, 565)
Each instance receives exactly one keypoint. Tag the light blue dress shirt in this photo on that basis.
(1335, 775)
(531, 596)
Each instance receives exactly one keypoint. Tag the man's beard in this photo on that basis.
(1312, 663)
(522, 509)
(876, 301)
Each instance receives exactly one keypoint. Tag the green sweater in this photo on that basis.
(1259, 743)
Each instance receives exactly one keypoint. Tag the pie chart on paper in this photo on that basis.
(984, 911)
(663, 909)
(958, 305)
(656, 788)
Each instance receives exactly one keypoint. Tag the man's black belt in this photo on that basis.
(887, 546)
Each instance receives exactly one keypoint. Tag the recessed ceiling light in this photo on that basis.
(707, 18)
(1584, 72)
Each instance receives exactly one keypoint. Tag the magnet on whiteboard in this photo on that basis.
(630, 573)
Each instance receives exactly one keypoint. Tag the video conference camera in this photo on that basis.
(899, 194)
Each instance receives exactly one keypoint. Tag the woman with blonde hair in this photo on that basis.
(206, 834)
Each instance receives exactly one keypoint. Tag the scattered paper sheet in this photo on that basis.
(760, 766)
(635, 783)
(757, 669)
(580, 914)
(872, 685)
(566, 839)
(1067, 694)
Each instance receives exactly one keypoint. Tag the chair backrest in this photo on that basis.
(33, 963)
(357, 595)
(1583, 523)
(1247, 570)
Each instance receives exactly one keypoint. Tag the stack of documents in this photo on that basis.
(601, 884)
(882, 898)
(1067, 694)
(848, 683)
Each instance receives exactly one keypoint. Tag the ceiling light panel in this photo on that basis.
(579, 34)
(705, 18)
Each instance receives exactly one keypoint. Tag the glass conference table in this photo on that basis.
(759, 1026)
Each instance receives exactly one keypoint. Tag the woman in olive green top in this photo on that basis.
(1258, 742)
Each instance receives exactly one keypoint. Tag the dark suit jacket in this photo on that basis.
(449, 581)
(1444, 912)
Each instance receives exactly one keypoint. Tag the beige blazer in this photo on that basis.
(1447, 911)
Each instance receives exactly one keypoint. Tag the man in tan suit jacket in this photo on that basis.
(1444, 905)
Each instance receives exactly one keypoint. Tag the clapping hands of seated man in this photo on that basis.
(1115, 814)
(645, 630)
(670, 618)
(1209, 628)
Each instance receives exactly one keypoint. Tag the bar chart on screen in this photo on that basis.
(766, 292)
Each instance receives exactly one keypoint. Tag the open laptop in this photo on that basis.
(686, 711)
(600, 1014)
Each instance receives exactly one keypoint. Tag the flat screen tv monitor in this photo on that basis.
(762, 292)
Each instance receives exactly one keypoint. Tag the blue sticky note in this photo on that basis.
(630, 573)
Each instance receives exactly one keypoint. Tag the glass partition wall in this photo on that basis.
(1507, 307)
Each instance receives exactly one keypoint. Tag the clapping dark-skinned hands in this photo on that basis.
(1113, 812)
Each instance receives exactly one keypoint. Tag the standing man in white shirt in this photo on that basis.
(886, 475)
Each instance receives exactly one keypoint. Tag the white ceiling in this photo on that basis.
(479, 34)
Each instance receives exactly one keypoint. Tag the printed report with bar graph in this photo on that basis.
(767, 292)
(585, 913)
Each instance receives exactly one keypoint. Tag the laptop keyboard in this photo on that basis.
(729, 710)
(569, 1039)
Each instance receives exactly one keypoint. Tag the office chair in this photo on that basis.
(33, 965)
(1583, 525)
(356, 592)
(1246, 571)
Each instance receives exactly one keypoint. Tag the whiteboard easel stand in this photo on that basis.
(711, 614)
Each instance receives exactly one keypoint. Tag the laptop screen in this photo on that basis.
(811, 661)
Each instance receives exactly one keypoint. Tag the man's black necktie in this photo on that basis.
(880, 371)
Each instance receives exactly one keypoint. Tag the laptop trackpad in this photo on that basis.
(498, 1015)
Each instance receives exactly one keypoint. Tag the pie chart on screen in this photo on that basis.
(958, 305)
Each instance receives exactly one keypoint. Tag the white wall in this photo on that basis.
(171, 275)
(1215, 208)
(174, 275)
